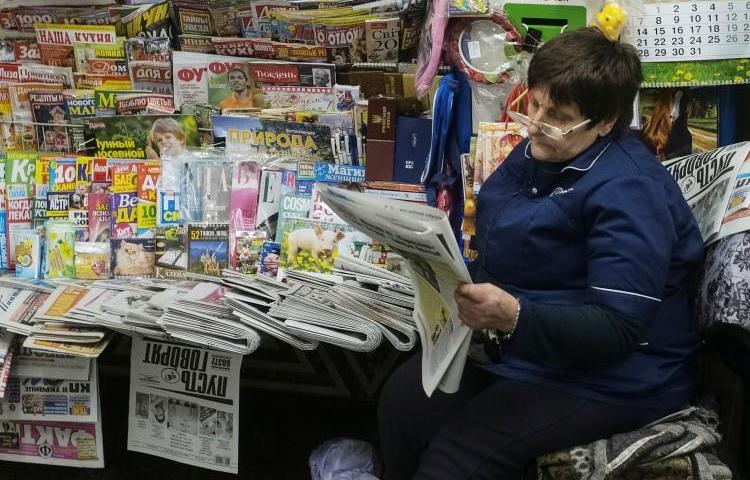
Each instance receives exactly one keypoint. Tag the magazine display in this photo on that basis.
(184, 404)
(715, 185)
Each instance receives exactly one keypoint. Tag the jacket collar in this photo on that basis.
(586, 159)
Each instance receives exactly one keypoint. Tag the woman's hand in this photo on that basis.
(150, 152)
(486, 306)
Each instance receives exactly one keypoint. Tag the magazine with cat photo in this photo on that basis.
(132, 257)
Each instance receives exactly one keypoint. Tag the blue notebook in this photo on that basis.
(413, 136)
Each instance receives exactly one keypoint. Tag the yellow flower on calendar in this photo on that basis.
(688, 76)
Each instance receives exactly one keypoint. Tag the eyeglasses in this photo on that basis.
(550, 130)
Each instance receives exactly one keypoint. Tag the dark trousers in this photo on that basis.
(492, 428)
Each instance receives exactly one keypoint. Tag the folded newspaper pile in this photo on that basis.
(356, 306)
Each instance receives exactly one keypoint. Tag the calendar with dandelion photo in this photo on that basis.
(697, 73)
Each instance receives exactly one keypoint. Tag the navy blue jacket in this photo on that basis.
(610, 228)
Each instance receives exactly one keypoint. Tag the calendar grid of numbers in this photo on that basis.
(688, 31)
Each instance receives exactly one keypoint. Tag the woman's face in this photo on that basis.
(169, 144)
(547, 149)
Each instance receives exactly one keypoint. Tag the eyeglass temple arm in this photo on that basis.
(517, 100)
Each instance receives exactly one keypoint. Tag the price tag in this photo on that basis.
(689, 31)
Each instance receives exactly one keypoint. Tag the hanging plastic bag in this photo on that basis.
(486, 50)
(430, 45)
(344, 459)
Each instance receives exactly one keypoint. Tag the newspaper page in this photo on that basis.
(56, 400)
(37, 364)
(52, 443)
(184, 403)
(737, 216)
(707, 181)
(423, 236)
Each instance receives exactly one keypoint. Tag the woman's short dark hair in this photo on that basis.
(585, 68)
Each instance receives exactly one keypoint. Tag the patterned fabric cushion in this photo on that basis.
(724, 285)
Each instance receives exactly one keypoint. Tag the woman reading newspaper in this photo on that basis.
(586, 247)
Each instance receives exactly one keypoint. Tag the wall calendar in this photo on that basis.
(690, 30)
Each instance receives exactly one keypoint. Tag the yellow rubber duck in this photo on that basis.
(611, 20)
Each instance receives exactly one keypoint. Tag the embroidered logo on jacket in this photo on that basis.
(561, 191)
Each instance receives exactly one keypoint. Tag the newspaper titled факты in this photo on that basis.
(716, 185)
(423, 236)
(184, 403)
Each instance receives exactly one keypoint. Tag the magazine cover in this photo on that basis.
(300, 141)
(49, 111)
(25, 132)
(208, 248)
(92, 260)
(312, 246)
(144, 137)
(41, 189)
(268, 200)
(106, 97)
(148, 178)
(20, 169)
(144, 104)
(123, 209)
(248, 248)
(56, 40)
(3, 217)
(381, 38)
(216, 178)
(680, 121)
(149, 21)
(293, 206)
(80, 106)
(8, 133)
(311, 99)
(123, 202)
(205, 79)
(153, 77)
(60, 250)
(28, 251)
(171, 251)
(62, 184)
(99, 215)
(132, 257)
(79, 201)
(269, 259)
(148, 49)
(244, 198)
(299, 74)
(100, 58)
(229, 87)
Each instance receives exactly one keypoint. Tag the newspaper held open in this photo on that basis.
(424, 237)
(184, 403)
(714, 184)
